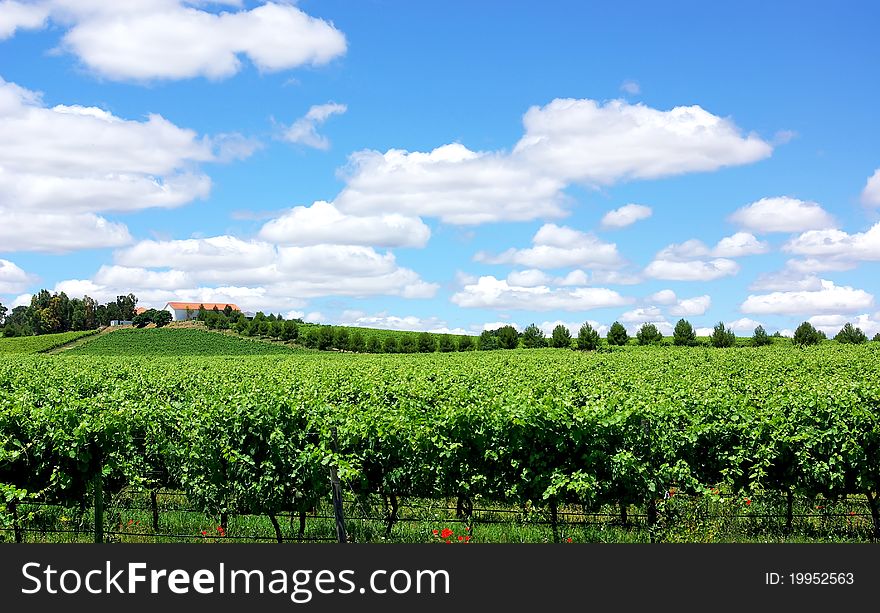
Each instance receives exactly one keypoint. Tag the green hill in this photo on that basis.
(39, 344)
(175, 342)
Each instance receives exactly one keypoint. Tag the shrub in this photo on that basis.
(508, 337)
(465, 343)
(426, 343)
(445, 345)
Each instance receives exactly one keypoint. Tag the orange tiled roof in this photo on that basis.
(182, 306)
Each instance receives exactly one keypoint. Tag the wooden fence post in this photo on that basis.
(337, 498)
(98, 486)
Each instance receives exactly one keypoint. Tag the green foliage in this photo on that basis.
(465, 343)
(508, 337)
(683, 335)
(39, 344)
(560, 338)
(851, 335)
(426, 343)
(648, 334)
(806, 334)
(173, 341)
(722, 336)
(445, 344)
(588, 337)
(617, 334)
(876, 337)
(533, 337)
(760, 338)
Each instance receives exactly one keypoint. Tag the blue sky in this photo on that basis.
(444, 167)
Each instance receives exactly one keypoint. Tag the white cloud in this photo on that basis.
(664, 296)
(782, 214)
(452, 183)
(384, 321)
(871, 192)
(642, 314)
(830, 298)
(59, 233)
(528, 278)
(575, 277)
(630, 87)
(602, 144)
(489, 292)
(691, 306)
(744, 326)
(837, 246)
(567, 141)
(12, 278)
(494, 325)
(573, 326)
(15, 15)
(278, 275)
(625, 216)
(738, 245)
(831, 324)
(305, 129)
(787, 279)
(322, 222)
(167, 39)
(693, 270)
(559, 247)
(616, 277)
(683, 252)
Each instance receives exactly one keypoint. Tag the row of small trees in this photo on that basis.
(51, 313)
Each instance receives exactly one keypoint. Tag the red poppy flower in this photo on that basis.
(467, 539)
(204, 532)
(436, 532)
(568, 540)
(130, 522)
(748, 501)
(852, 512)
(461, 538)
(446, 533)
(468, 528)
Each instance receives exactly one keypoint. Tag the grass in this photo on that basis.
(42, 343)
(690, 519)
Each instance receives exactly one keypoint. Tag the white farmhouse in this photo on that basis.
(182, 311)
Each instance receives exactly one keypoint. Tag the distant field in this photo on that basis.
(38, 344)
(176, 342)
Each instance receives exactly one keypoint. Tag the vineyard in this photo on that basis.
(39, 344)
(546, 431)
(176, 342)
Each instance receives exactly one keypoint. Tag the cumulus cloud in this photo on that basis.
(279, 276)
(61, 166)
(410, 323)
(738, 245)
(12, 278)
(744, 325)
(642, 314)
(559, 247)
(830, 298)
(836, 246)
(871, 192)
(489, 292)
(782, 214)
(787, 279)
(625, 216)
(567, 141)
(530, 278)
(573, 326)
(15, 15)
(664, 296)
(305, 129)
(692, 270)
(171, 39)
(630, 87)
(831, 324)
(322, 222)
(691, 306)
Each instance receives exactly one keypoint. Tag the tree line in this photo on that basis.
(51, 313)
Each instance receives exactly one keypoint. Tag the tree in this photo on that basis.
(876, 337)
(465, 343)
(533, 337)
(721, 336)
(683, 335)
(161, 318)
(851, 335)
(426, 342)
(408, 344)
(760, 338)
(374, 345)
(340, 338)
(488, 340)
(325, 337)
(356, 341)
(648, 334)
(560, 338)
(445, 344)
(390, 345)
(3, 312)
(806, 334)
(290, 331)
(617, 334)
(508, 337)
(588, 337)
